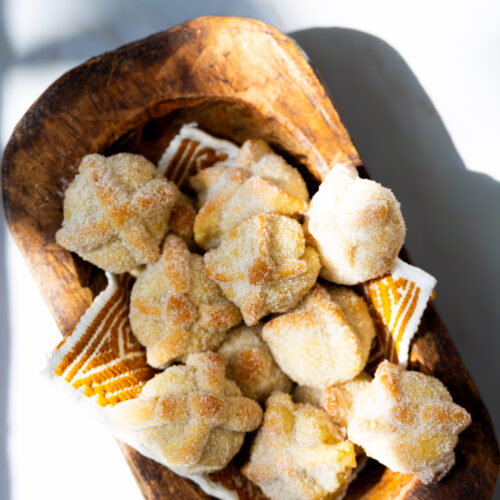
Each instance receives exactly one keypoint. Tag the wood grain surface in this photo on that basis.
(239, 79)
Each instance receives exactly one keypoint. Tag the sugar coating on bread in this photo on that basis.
(356, 225)
(263, 265)
(251, 365)
(116, 211)
(298, 453)
(175, 309)
(190, 416)
(259, 182)
(325, 339)
(408, 422)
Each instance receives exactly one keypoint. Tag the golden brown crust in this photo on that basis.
(298, 453)
(116, 212)
(250, 364)
(263, 265)
(176, 309)
(330, 330)
(408, 421)
(259, 182)
(356, 225)
(190, 417)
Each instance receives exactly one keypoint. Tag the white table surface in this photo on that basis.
(417, 85)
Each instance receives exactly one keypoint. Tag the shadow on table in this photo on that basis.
(452, 214)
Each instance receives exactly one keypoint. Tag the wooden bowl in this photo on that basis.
(239, 79)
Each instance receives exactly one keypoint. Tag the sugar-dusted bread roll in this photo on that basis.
(259, 182)
(408, 422)
(356, 225)
(175, 309)
(263, 265)
(299, 453)
(251, 365)
(325, 340)
(116, 212)
(190, 417)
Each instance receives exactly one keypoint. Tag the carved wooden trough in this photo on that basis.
(239, 79)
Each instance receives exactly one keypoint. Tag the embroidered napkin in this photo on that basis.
(192, 150)
(398, 301)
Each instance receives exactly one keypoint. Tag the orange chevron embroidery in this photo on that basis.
(84, 340)
(407, 317)
(394, 302)
(108, 350)
(109, 378)
(206, 157)
(384, 293)
(172, 167)
(401, 307)
(385, 344)
(183, 165)
(97, 337)
(189, 159)
(130, 344)
(107, 362)
(107, 400)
